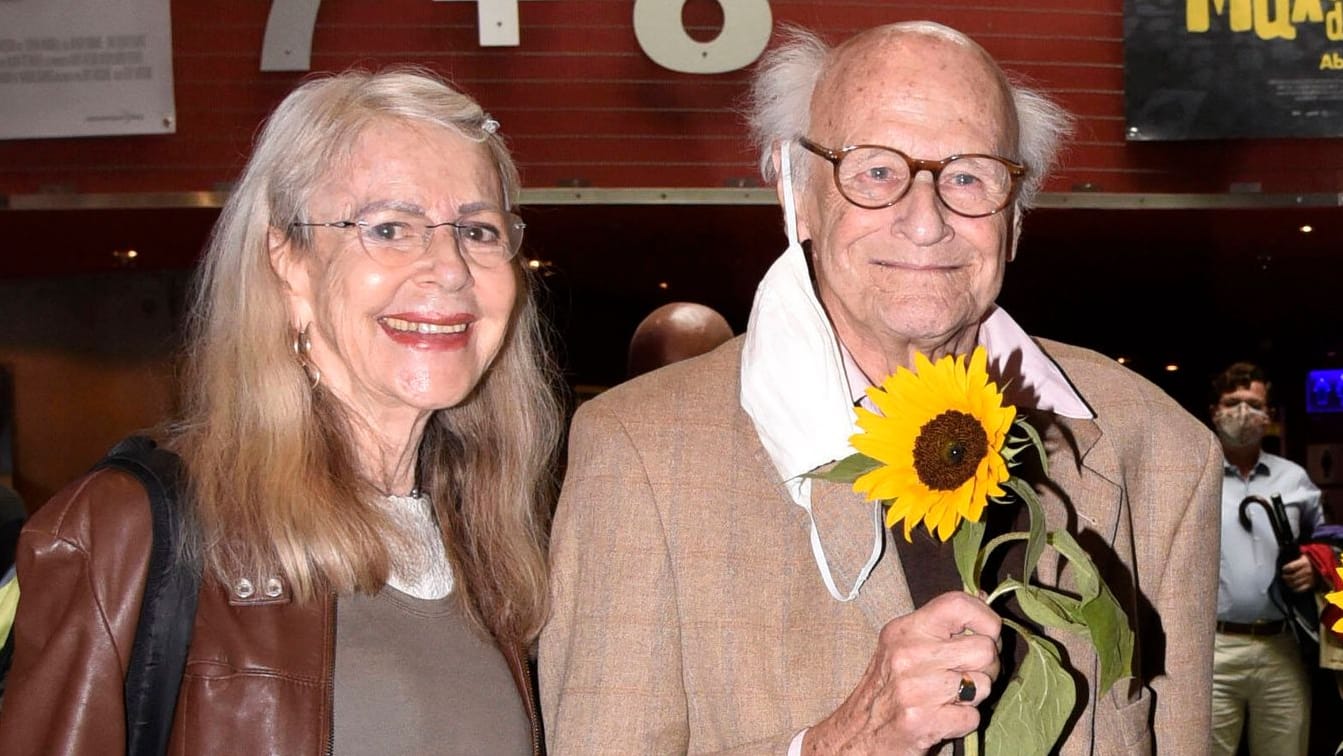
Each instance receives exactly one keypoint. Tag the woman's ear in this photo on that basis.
(291, 268)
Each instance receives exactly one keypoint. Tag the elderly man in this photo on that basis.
(702, 587)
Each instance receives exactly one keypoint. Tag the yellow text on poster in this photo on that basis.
(1269, 19)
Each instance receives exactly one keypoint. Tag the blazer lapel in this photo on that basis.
(1082, 491)
(1087, 457)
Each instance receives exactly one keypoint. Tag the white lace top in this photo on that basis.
(420, 565)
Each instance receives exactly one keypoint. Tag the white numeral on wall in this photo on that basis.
(746, 28)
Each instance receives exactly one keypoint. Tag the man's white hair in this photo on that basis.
(780, 106)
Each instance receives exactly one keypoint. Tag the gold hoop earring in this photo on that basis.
(302, 346)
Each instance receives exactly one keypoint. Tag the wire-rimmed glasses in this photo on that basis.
(872, 176)
(395, 237)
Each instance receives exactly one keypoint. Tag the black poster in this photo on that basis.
(1213, 69)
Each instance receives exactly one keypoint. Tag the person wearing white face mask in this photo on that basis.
(709, 599)
(1257, 669)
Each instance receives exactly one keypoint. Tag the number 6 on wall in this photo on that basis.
(746, 28)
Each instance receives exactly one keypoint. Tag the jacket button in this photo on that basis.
(274, 588)
(243, 588)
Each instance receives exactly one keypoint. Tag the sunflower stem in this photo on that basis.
(1035, 543)
(965, 544)
(1003, 590)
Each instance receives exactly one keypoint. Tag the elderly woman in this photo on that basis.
(367, 431)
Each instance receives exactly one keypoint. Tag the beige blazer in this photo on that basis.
(689, 616)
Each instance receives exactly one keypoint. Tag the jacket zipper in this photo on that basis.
(331, 681)
(531, 704)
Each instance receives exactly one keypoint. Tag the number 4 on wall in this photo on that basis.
(497, 19)
(657, 26)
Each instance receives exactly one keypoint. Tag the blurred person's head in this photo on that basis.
(1240, 409)
(675, 332)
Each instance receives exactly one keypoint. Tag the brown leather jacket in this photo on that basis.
(258, 675)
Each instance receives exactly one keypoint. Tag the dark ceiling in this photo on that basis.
(1196, 288)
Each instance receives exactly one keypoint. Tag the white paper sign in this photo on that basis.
(85, 68)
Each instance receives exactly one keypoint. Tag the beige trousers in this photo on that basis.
(1265, 678)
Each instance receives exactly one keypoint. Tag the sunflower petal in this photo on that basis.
(1335, 598)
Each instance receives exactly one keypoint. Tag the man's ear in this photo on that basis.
(778, 165)
(803, 232)
(1015, 230)
(291, 269)
(779, 178)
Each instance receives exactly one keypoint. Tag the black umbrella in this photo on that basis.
(1289, 547)
(1299, 607)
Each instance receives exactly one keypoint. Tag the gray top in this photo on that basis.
(1250, 560)
(411, 677)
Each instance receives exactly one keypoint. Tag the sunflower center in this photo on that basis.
(948, 450)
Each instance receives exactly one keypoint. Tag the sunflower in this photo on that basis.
(939, 441)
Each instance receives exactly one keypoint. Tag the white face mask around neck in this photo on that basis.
(794, 386)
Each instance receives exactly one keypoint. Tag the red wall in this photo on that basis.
(580, 100)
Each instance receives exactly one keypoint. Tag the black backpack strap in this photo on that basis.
(168, 612)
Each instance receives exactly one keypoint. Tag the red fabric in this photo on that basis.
(1325, 563)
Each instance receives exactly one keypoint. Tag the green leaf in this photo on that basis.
(1052, 609)
(1034, 437)
(1088, 577)
(847, 470)
(1035, 705)
(966, 545)
(1101, 613)
(1111, 636)
(1035, 543)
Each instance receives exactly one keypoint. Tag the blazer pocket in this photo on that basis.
(1131, 722)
